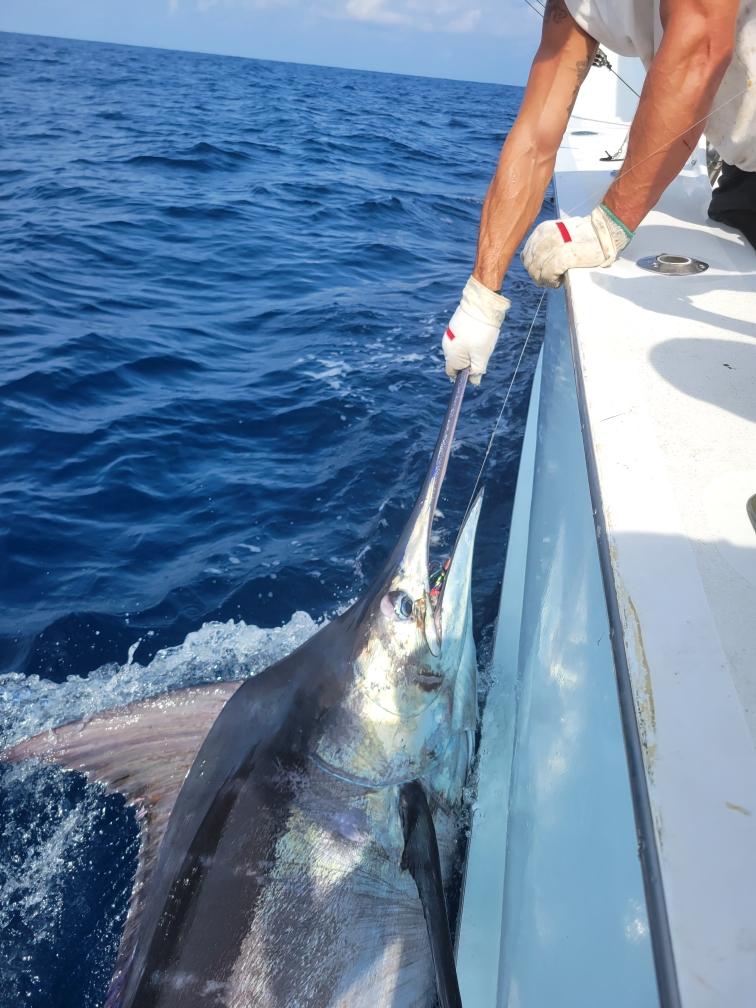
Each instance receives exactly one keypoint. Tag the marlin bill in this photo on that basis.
(298, 829)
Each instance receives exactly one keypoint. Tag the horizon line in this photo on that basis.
(259, 59)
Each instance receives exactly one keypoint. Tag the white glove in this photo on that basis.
(473, 330)
(556, 246)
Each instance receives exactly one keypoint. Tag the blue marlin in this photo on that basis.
(298, 829)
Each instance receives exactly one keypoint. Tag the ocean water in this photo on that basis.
(223, 284)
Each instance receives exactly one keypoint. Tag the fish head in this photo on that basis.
(414, 631)
(412, 693)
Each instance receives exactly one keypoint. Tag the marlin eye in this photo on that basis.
(403, 604)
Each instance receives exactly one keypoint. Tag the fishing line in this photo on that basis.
(501, 411)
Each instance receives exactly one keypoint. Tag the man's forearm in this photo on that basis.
(676, 98)
(527, 159)
(511, 205)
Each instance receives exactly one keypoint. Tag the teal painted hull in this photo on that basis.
(554, 910)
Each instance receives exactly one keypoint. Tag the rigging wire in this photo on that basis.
(611, 69)
(599, 60)
(540, 13)
(592, 199)
(602, 60)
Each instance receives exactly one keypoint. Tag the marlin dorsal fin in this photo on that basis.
(144, 751)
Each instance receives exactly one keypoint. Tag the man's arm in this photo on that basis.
(526, 163)
(517, 189)
(695, 51)
(680, 86)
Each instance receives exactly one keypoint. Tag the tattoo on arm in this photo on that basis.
(581, 69)
(555, 11)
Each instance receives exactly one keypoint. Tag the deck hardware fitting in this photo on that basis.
(672, 265)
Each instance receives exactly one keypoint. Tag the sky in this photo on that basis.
(482, 40)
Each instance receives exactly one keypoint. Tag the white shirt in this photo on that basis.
(633, 28)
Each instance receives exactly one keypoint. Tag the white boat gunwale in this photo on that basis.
(648, 853)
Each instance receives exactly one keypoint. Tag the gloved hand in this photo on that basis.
(556, 246)
(473, 330)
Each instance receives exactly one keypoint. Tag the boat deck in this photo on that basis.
(666, 368)
(665, 376)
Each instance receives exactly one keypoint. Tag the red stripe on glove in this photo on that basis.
(450, 334)
(563, 231)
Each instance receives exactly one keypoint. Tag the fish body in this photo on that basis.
(274, 862)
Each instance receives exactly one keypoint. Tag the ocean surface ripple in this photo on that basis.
(223, 285)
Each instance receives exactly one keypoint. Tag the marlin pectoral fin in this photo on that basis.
(422, 860)
(143, 751)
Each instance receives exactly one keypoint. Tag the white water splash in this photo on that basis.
(216, 651)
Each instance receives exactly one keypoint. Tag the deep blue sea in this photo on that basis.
(223, 284)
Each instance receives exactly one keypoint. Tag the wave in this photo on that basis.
(215, 652)
(202, 156)
(224, 284)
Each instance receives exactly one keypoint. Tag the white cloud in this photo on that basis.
(375, 11)
(426, 15)
(465, 22)
(505, 18)
(250, 5)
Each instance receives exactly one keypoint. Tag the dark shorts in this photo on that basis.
(733, 202)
